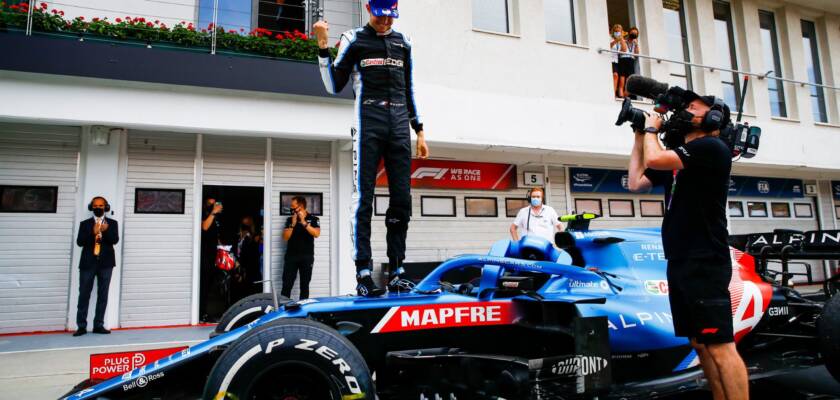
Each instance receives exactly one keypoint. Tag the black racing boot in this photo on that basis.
(365, 286)
(396, 283)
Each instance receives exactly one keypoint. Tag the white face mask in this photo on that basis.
(616, 35)
(536, 201)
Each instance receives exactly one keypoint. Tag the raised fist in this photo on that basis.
(321, 30)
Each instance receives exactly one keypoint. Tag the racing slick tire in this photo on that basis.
(290, 358)
(246, 310)
(828, 329)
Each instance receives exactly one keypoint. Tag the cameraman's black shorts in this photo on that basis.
(700, 304)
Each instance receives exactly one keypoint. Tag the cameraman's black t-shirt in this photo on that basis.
(301, 243)
(695, 201)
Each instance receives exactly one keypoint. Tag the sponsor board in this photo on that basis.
(446, 174)
(595, 180)
(436, 316)
(107, 365)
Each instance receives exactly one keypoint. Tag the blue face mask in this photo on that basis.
(536, 201)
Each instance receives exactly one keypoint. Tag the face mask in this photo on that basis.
(634, 35)
(98, 212)
(246, 227)
(536, 201)
(616, 35)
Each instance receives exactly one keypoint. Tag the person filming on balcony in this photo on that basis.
(379, 61)
(695, 176)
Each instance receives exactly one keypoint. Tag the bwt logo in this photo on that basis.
(582, 177)
(763, 187)
(429, 172)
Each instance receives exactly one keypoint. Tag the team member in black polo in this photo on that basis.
(694, 234)
(301, 230)
(379, 62)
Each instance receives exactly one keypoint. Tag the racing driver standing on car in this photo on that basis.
(379, 61)
(694, 234)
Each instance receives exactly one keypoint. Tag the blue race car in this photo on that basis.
(588, 318)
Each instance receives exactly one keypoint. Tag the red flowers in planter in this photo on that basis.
(119, 20)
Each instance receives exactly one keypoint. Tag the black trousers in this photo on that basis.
(291, 267)
(103, 281)
(383, 134)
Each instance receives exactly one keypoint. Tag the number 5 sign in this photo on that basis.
(534, 179)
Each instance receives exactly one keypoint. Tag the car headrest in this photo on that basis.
(537, 249)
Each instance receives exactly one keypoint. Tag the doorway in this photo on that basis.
(238, 229)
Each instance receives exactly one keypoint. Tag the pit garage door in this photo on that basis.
(158, 245)
(38, 168)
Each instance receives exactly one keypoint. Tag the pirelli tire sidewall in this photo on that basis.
(247, 310)
(290, 340)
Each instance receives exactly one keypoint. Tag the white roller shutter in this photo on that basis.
(157, 248)
(301, 166)
(36, 249)
(234, 161)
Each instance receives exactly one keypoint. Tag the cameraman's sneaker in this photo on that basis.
(365, 286)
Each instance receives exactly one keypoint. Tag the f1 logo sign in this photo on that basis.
(429, 172)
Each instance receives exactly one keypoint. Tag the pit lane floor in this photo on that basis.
(47, 366)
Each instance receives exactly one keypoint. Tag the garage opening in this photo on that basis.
(236, 225)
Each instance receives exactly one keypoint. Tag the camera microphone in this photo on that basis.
(645, 87)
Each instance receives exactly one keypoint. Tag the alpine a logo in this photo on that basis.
(429, 172)
(579, 366)
(436, 316)
(378, 62)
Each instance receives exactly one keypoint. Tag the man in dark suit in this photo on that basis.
(97, 237)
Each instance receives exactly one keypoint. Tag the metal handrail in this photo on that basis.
(713, 68)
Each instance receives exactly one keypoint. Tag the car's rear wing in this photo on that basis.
(785, 245)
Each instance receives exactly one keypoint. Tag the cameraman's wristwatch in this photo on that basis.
(651, 129)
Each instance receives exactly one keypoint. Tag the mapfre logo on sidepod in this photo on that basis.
(436, 316)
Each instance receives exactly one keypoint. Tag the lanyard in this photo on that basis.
(673, 189)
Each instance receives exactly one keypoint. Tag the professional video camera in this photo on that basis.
(741, 139)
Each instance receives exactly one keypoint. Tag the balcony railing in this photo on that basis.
(767, 75)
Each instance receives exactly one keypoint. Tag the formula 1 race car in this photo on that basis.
(588, 318)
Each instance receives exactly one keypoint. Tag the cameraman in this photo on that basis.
(694, 235)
